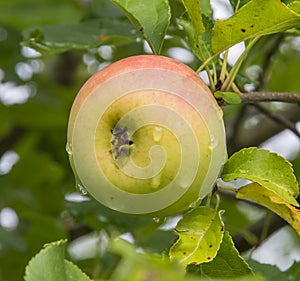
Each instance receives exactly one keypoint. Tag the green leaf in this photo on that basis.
(49, 264)
(200, 234)
(237, 4)
(135, 266)
(93, 33)
(74, 273)
(22, 13)
(227, 264)
(151, 18)
(262, 167)
(193, 9)
(228, 97)
(272, 201)
(295, 6)
(200, 45)
(90, 211)
(206, 8)
(198, 28)
(256, 18)
(271, 272)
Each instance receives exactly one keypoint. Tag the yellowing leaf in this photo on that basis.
(200, 234)
(272, 201)
(227, 264)
(256, 18)
(265, 168)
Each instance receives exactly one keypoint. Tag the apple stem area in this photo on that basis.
(120, 142)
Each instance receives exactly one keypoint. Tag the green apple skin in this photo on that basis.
(146, 137)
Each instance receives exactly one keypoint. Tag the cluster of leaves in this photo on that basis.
(202, 248)
(207, 39)
(199, 249)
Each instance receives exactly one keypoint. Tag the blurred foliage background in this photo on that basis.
(39, 201)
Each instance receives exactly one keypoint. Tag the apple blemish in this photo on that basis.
(120, 142)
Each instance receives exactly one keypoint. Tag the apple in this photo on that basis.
(146, 136)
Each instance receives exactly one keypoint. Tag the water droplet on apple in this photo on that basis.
(195, 203)
(184, 183)
(157, 134)
(213, 142)
(81, 188)
(159, 220)
(69, 148)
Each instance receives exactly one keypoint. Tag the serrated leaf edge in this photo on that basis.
(234, 176)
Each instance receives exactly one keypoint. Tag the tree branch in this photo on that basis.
(270, 96)
(278, 118)
(259, 132)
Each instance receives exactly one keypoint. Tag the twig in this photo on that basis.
(235, 68)
(277, 118)
(270, 96)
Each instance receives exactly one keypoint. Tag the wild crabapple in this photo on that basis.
(146, 136)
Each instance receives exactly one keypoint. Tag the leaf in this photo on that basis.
(21, 13)
(93, 33)
(74, 273)
(228, 97)
(265, 168)
(151, 18)
(206, 8)
(49, 264)
(272, 201)
(256, 18)
(271, 272)
(198, 28)
(227, 264)
(136, 266)
(200, 234)
(239, 3)
(90, 211)
(295, 6)
(193, 9)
